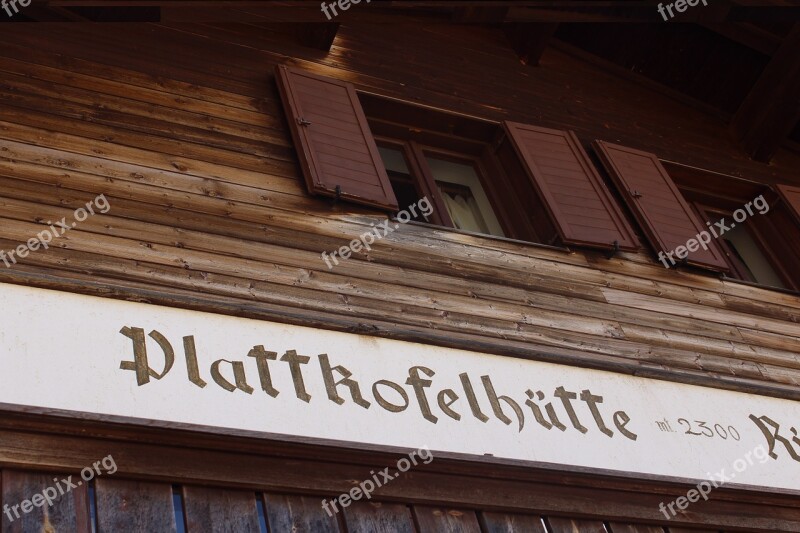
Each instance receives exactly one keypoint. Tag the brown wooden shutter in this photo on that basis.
(333, 140)
(666, 218)
(791, 195)
(581, 206)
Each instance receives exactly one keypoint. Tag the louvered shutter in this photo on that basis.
(332, 138)
(666, 218)
(580, 205)
(791, 195)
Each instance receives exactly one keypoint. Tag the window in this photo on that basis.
(666, 218)
(507, 180)
(764, 248)
(500, 179)
(461, 189)
(675, 203)
(528, 182)
(749, 258)
(746, 255)
(454, 180)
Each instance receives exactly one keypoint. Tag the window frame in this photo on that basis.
(721, 195)
(415, 155)
(739, 269)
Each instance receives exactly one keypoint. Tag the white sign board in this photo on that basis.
(94, 355)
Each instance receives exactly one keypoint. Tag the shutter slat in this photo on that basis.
(559, 168)
(666, 218)
(336, 120)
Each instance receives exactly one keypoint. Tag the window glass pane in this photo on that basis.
(178, 508)
(262, 513)
(746, 248)
(403, 183)
(394, 161)
(464, 197)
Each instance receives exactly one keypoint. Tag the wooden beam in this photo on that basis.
(50, 440)
(479, 15)
(465, 11)
(40, 13)
(530, 40)
(772, 108)
(748, 35)
(319, 35)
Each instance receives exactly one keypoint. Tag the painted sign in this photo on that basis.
(94, 355)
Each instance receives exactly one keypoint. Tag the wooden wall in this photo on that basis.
(129, 505)
(180, 126)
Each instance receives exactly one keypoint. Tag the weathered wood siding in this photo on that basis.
(182, 129)
(125, 505)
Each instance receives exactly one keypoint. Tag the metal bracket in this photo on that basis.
(338, 196)
(613, 252)
(303, 122)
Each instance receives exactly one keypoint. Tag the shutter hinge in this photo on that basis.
(613, 252)
(338, 196)
(303, 122)
(636, 194)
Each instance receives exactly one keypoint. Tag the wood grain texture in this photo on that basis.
(69, 512)
(560, 524)
(616, 527)
(220, 511)
(182, 127)
(443, 520)
(511, 523)
(235, 460)
(124, 505)
(377, 517)
(300, 514)
(194, 153)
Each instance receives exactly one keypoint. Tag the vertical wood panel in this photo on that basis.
(69, 513)
(298, 514)
(375, 517)
(687, 530)
(439, 520)
(560, 524)
(616, 527)
(511, 523)
(124, 505)
(220, 511)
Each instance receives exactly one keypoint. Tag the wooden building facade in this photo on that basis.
(560, 148)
